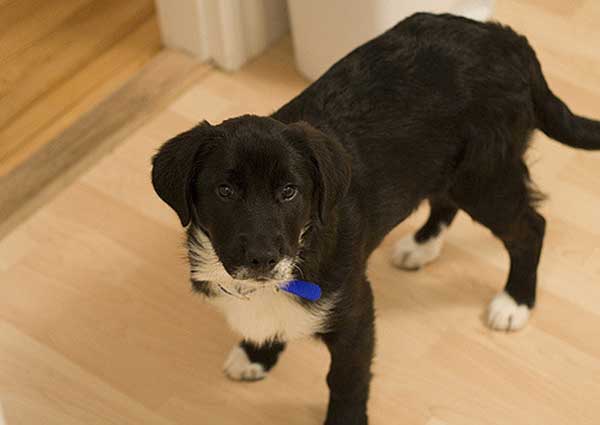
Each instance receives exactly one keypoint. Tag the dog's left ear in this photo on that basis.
(176, 164)
(331, 165)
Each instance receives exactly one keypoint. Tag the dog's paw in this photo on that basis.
(239, 367)
(408, 254)
(504, 314)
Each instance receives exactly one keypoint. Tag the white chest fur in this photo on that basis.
(267, 315)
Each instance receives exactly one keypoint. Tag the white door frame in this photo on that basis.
(229, 32)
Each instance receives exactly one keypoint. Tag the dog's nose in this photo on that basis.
(261, 253)
(263, 261)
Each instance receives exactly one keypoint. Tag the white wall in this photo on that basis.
(326, 30)
(229, 32)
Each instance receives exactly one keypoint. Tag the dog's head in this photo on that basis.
(251, 185)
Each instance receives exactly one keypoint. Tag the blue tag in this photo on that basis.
(303, 289)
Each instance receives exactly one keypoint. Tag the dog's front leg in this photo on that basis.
(249, 361)
(351, 347)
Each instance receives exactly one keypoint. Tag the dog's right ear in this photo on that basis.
(175, 165)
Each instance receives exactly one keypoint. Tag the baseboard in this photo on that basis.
(32, 183)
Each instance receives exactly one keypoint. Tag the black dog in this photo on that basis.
(438, 108)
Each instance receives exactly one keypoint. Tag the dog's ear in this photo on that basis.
(331, 165)
(175, 165)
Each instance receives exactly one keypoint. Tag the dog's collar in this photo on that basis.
(301, 288)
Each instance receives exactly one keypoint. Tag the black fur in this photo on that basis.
(438, 108)
(265, 354)
(442, 213)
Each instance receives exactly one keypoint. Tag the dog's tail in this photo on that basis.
(555, 118)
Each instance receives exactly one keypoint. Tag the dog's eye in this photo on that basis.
(225, 191)
(288, 192)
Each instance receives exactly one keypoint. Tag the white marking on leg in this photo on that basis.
(239, 367)
(410, 255)
(504, 314)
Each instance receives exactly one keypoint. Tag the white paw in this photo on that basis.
(239, 367)
(504, 314)
(410, 255)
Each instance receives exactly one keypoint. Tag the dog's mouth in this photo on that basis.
(246, 283)
(254, 279)
(258, 281)
(246, 288)
(282, 271)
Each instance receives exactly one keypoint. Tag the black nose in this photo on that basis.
(261, 253)
(262, 261)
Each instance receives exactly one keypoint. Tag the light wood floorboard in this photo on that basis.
(62, 158)
(59, 59)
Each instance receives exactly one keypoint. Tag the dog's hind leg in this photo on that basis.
(505, 205)
(414, 251)
(251, 362)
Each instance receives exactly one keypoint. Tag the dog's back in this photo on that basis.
(435, 99)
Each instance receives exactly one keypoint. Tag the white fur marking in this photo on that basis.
(267, 315)
(260, 313)
(504, 314)
(409, 254)
(209, 268)
(239, 367)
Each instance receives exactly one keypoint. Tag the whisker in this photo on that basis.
(298, 269)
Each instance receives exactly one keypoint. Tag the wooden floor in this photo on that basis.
(98, 324)
(58, 59)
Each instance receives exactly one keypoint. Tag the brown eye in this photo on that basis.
(288, 192)
(225, 191)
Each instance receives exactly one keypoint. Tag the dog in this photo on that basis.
(438, 108)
